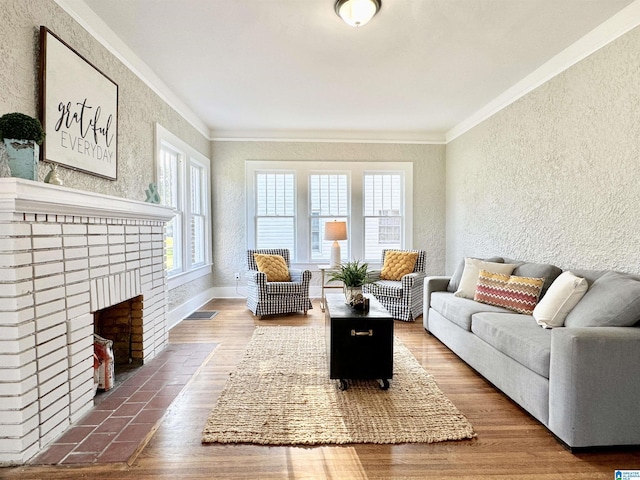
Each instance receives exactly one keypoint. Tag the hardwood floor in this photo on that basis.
(510, 444)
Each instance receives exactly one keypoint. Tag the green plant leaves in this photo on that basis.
(19, 126)
(352, 274)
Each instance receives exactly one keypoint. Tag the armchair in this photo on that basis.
(268, 298)
(403, 298)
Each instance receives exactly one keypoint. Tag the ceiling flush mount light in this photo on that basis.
(357, 12)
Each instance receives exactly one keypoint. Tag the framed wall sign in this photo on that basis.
(79, 110)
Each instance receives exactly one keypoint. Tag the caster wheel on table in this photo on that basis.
(384, 384)
(343, 385)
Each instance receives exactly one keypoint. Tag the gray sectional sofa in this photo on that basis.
(581, 380)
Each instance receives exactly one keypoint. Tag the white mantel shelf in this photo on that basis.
(27, 196)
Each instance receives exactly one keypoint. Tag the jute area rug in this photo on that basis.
(281, 394)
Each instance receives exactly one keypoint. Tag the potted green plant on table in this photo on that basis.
(22, 136)
(353, 275)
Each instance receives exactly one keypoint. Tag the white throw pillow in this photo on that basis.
(471, 272)
(563, 294)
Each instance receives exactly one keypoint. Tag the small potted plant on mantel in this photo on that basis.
(353, 275)
(22, 135)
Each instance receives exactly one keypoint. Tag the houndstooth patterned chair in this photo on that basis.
(403, 298)
(270, 298)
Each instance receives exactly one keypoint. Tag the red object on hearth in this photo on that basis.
(103, 349)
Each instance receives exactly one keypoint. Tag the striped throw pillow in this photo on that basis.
(519, 294)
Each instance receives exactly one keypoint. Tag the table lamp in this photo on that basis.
(335, 231)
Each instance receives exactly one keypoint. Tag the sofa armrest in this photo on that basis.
(374, 275)
(254, 276)
(411, 279)
(296, 275)
(432, 284)
(300, 276)
(594, 386)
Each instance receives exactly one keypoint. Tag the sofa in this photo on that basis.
(580, 378)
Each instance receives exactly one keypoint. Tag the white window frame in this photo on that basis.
(380, 217)
(355, 222)
(257, 216)
(344, 244)
(188, 156)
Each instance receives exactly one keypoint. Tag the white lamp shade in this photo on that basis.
(335, 231)
(357, 12)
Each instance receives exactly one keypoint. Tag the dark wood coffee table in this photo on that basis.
(359, 344)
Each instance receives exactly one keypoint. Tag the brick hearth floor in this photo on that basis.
(123, 417)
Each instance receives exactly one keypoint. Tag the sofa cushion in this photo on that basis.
(613, 300)
(384, 288)
(519, 294)
(589, 275)
(517, 336)
(471, 272)
(454, 281)
(562, 296)
(459, 310)
(397, 264)
(538, 270)
(284, 288)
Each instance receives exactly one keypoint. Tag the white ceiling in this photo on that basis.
(293, 69)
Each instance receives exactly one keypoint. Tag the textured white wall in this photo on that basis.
(229, 192)
(138, 107)
(555, 177)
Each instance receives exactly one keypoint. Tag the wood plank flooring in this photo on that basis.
(510, 443)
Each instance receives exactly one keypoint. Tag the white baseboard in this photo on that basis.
(176, 315)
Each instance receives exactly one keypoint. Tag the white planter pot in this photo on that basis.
(350, 292)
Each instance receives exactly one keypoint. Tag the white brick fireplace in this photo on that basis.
(65, 254)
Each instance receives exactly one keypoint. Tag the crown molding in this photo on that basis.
(621, 23)
(87, 18)
(329, 136)
(616, 26)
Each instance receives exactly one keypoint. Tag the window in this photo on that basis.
(328, 201)
(275, 211)
(288, 204)
(383, 199)
(183, 183)
(198, 189)
(169, 168)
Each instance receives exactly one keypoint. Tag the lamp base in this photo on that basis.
(335, 254)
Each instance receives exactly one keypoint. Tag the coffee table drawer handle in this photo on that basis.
(366, 333)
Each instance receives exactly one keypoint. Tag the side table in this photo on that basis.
(324, 284)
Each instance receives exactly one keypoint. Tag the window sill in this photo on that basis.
(186, 277)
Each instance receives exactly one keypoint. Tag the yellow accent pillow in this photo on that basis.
(398, 264)
(274, 266)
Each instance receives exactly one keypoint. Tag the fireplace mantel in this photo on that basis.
(26, 196)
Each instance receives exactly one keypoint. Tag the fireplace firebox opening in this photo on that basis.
(122, 324)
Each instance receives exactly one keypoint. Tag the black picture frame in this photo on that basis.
(78, 110)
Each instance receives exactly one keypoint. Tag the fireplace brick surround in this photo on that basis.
(65, 254)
